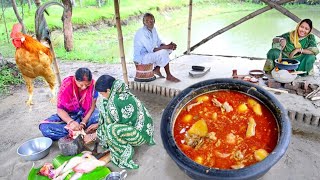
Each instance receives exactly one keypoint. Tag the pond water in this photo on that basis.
(251, 38)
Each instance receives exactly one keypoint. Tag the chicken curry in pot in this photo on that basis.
(225, 130)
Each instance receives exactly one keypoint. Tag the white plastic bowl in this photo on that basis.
(35, 149)
(283, 76)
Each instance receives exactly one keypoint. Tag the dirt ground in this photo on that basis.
(18, 124)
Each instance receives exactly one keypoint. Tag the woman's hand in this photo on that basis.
(92, 128)
(283, 43)
(75, 126)
(294, 52)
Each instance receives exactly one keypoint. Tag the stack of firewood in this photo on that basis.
(314, 95)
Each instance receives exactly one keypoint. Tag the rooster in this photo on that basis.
(33, 59)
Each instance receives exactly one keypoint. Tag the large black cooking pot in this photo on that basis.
(197, 171)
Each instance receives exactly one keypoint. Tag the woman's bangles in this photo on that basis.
(68, 123)
(84, 124)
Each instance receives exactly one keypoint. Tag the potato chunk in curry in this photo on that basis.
(260, 154)
(202, 98)
(187, 118)
(256, 107)
(199, 128)
(242, 108)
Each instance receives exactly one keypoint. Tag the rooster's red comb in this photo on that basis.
(16, 28)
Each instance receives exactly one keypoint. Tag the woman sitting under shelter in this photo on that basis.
(124, 122)
(299, 44)
(76, 106)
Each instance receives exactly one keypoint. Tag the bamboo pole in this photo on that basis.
(189, 27)
(55, 65)
(40, 22)
(289, 14)
(120, 39)
(250, 16)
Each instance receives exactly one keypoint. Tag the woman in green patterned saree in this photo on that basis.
(298, 44)
(124, 122)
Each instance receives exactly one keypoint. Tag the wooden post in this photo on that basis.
(234, 24)
(120, 39)
(289, 14)
(55, 65)
(189, 27)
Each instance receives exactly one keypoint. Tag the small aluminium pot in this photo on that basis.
(197, 171)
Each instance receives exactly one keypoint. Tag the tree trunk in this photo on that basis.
(4, 20)
(99, 3)
(29, 4)
(289, 14)
(67, 25)
(73, 3)
(120, 39)
(189, 27)
(250, 16)
(37, 2)
(16, 12)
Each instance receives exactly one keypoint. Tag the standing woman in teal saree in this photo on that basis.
(124, 122)
(299, 44)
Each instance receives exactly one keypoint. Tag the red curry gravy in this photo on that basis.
(238, 132)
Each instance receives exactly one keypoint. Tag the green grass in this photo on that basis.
(9, 76)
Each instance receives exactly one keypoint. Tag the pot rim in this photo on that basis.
(250, 171)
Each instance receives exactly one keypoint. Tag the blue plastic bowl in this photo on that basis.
(293, 64)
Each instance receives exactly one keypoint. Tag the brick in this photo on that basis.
(288, 86)
(300, 92)
(305, 85)
(295, 85)
(309, 90)
(291, 91)
(313, 86)
(273, 84)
